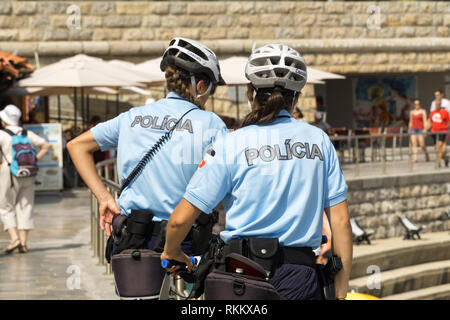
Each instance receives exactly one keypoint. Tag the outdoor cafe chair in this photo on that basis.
(340, 145)
(375, 142)
(396, 140)
(362, 144)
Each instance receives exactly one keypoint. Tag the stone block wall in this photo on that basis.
(377, 202)
(348, 37)
(365, 37)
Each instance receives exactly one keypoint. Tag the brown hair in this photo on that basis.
(267, 104)
(179, 81)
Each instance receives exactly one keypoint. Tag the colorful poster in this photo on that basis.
(35, 110)
(50, 174)
(383, 101)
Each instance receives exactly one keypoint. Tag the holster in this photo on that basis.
(132, 232)
(118, 229)
(210, 260)
(326, 274)
(201, 232)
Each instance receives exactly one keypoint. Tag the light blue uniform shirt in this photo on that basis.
(161, 185)
(275, 180)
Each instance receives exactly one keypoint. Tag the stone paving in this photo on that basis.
(59, 254)
(401, 165)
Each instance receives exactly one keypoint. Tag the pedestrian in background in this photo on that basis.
(445, 103)
(438, 122)
(319, 123)
(416, 127)
(17, 196)
(297, 114)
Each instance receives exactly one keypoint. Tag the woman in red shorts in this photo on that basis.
(417, 120)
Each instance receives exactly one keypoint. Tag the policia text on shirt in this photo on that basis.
(269, 153)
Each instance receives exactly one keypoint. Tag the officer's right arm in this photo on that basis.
(336, 209)
(81, 150)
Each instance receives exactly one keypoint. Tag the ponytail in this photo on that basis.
(179, 81)
(267, 104)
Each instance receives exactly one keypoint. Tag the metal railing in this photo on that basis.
(107, 170)
(354, 150)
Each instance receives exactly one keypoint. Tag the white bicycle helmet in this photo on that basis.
(192, 56)
(276, 65)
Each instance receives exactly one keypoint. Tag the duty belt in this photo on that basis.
(268, 253)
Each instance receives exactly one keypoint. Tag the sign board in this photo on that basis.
(50, 174)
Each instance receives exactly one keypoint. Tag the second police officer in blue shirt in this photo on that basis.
(276, 176)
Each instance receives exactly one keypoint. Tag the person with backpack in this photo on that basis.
(159, 147)
(17, 175)
(276, 176)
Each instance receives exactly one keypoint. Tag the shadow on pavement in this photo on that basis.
(48, 197)
(31, 250)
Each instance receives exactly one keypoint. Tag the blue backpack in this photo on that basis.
(24, 161)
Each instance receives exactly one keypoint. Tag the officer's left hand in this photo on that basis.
(178, 256)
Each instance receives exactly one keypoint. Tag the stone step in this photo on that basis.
(441, 292)
(404, 279)
(393, 253)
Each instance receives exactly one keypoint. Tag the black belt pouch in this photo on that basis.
(264, 251)
(139, 231)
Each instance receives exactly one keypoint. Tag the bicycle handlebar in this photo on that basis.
(166, 263)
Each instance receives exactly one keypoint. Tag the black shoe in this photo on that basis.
(12, 246)
(23, 249)
(446, 161)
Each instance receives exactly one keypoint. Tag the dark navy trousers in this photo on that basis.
(296, 282)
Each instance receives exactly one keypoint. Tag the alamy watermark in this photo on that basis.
(374, 20)
(73, 22)
(74, 280)
(374, 281)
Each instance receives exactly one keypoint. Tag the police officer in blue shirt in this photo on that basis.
(192, 75)
(275, 176)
